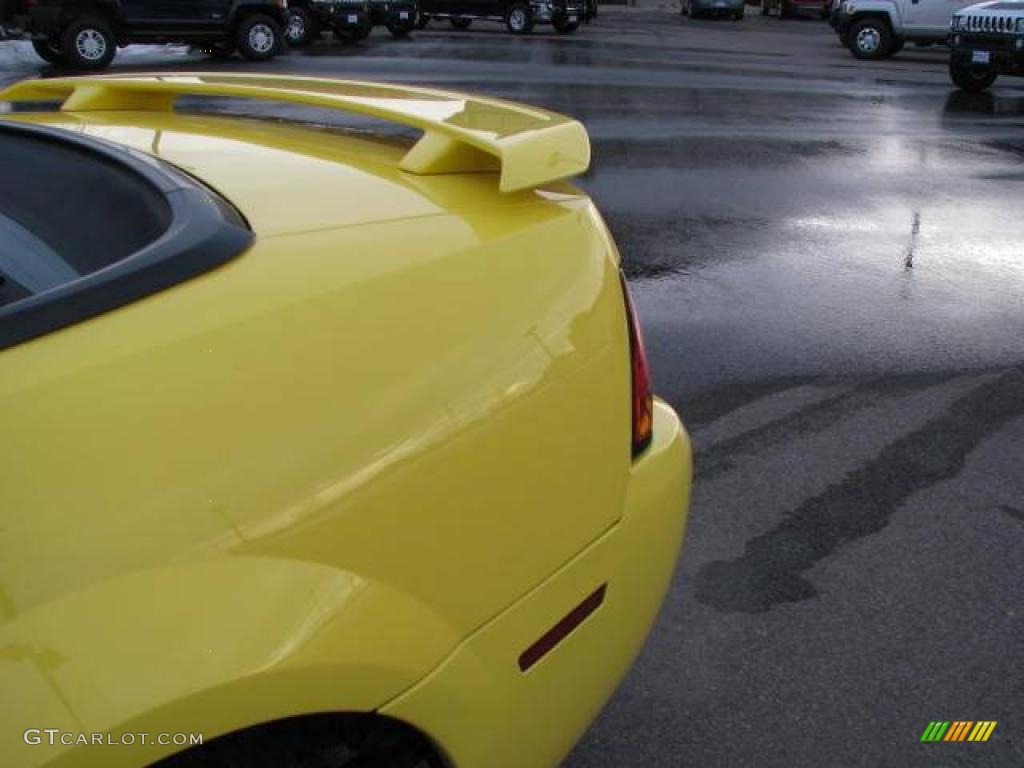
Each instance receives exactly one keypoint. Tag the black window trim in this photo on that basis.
(205, 231)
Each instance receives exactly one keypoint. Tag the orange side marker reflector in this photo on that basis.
(561, 630)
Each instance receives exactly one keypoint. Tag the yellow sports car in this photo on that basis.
(319, 448)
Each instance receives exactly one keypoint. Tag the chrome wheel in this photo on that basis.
(868, 40)
(261, 38)
(517, 19)
(91, 45)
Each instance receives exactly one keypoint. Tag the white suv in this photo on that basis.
(986, 40)
(875, 29)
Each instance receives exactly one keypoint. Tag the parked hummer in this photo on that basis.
(519, 16)
(349, 20)
(85, 34)
(986, 40)
(397, 16)
(876, 29)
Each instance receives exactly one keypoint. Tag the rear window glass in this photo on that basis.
(66, 212)
(87, 227)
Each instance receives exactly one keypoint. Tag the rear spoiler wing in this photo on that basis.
(461, 134)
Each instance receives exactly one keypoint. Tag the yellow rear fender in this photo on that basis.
(206, 648)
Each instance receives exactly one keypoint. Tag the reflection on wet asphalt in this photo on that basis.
(826, 255)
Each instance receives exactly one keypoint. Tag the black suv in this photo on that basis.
(349, 20)
(85, 34)
(519, 16)
(398, 16)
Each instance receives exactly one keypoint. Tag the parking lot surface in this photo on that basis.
(826, 254)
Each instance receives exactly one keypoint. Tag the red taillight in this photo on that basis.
(643, 398)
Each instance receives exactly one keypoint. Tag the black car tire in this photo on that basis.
(259, 38)
(968, 78)
(49, 51)
(317, 743)
(88, 43)
(302, 28)
(564, 27)
(352, 35)
(460, 23)
(870, 38)
(400, 30)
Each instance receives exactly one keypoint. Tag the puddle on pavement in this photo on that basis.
(901, 256)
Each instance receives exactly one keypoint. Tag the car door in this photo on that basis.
(213, 14)
(931, 17)
(156, 18)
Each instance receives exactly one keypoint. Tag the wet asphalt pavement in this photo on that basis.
(827, 257)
